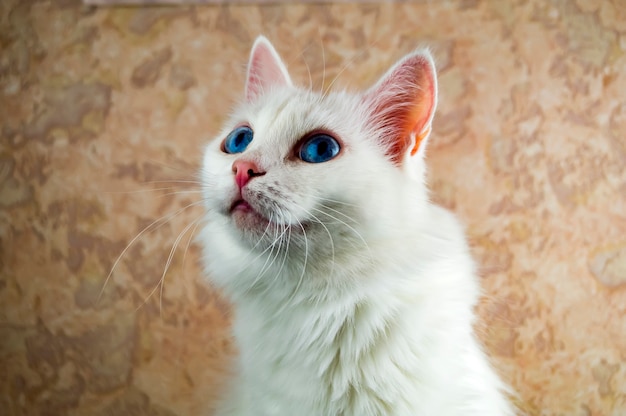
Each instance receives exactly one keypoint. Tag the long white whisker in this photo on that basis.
(308, 70)
(180, 193)
(251, 251)
(346, 66)
(159, 221)
(166, 268)
(346, 216)
(282, 265)
(165, 165)
(285, 228)
(137, 191)
(197, 221)
(278, 251)
(323, 60)
(169, 260)
(347, 226)
(306, 257)
(332, 243)
(267, 227)
(179, 181)
(335, 201)
(268, 264)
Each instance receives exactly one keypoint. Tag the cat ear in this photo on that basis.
(265, 69)
(402, 104)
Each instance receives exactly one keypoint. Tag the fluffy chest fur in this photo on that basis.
(352, 294)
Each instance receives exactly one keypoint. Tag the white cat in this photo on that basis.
(352, 293)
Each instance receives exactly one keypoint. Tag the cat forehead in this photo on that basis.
(290, 113)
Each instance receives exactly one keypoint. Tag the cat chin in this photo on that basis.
(248, 220)
(255, 226)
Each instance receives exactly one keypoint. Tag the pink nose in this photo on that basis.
(244, 171)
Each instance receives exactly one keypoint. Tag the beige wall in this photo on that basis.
(104, 113)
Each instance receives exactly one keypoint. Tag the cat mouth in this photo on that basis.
(242, 206)
(246, 217)
(249, 219)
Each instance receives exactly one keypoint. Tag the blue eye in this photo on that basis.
(319, 148)
(238, 139)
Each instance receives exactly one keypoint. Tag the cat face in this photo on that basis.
(317, 176)
(299, 157)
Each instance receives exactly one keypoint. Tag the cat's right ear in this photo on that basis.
(265, 70)
(401, 105)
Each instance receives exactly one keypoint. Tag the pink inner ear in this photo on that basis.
(265, 70)
(402, 104)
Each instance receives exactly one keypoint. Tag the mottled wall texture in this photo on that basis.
(104, 112)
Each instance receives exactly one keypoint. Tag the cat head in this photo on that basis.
(300, 181)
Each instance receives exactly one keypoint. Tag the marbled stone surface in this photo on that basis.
(104, 112)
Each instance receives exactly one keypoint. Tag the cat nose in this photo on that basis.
(245, 170)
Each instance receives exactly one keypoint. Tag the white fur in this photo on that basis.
(359, 300)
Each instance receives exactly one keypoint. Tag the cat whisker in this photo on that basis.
(346, 216)
(197, 222)
(174, 192)
(337, 202)
(301, 55)
(258, 256)
(306, 257)
(171, 255)
(330, 236)
(163, 188)
(269, 258)
(161, 282)
(287, 243)
(332, 201)
(137, 191)
(280, 246)
(308, 70)
(180, 193)
(176, 181)
(323, 60)
(277, 239)
(267, 227)
(172, 167)
(286, 228)
(346, 66)
(189, 179)
(151, 227)
(348, 226)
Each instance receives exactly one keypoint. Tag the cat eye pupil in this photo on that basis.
(322, 148)
(238, 140)
(319, 148)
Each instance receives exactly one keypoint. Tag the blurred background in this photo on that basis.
(104, 112)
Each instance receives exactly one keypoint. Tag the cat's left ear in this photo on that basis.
(402, 104)
(265, 70)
